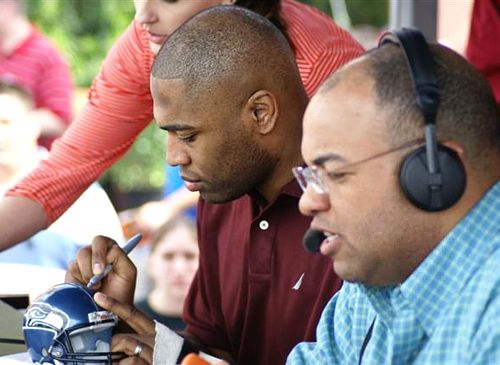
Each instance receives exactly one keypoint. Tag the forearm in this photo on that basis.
(20, 218)
(51, 124)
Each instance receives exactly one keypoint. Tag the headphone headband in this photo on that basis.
(419, 61)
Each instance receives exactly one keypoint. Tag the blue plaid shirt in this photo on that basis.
(446, 312)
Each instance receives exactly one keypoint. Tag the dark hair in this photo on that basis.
(224, 48)
(467, 111)
(269, 9)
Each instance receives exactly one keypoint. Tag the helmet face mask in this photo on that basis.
(66, 326)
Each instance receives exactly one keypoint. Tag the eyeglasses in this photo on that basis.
(314, 176)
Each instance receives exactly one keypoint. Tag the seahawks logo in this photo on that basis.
(44, 315)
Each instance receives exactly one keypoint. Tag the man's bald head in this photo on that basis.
(228, 48)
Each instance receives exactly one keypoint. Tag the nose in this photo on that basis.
(180, 264)
(312, 203)
(145, 12)
(176, 153)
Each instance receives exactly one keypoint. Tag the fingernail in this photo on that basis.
(97, 268)
(100, 297)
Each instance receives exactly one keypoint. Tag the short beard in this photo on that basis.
(259, 165)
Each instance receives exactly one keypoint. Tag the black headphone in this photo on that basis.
(432, 177)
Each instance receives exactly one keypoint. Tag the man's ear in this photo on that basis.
(263, 111)
(455, 146)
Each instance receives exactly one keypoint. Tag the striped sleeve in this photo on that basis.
(320, 45)
(54, 87)
(119, 107)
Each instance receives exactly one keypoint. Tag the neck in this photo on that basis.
(289, 139)
(289, 157)
(14, 35)
(163, 302)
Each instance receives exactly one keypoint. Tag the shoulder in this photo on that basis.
(485, 344)
(134, 42)
(304, 21)
(40, 46)
(297, 13)
(320, 46)
(485, 282)
(125, 71)
(479, 308)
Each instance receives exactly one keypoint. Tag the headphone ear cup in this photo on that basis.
(415, 179)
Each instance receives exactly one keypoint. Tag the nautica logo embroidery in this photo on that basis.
(299, 282)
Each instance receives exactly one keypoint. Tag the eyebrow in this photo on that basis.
(320, 160)
(176, 127)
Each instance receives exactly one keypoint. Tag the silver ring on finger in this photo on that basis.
(138, 348)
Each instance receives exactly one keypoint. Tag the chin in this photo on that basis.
(347, 273)
(220, 197)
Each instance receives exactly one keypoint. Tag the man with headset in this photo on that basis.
(403, 184)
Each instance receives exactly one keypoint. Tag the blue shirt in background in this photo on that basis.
(46, 249)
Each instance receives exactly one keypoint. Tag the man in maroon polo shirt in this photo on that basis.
(227, 90)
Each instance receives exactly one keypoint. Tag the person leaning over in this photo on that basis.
(227, 91)
(419, 246)
(120, 104)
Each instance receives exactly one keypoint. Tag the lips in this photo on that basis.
(157, 38)
(192, 184)
(331, 244)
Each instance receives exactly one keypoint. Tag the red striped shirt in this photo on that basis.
(120, 104)
(37, 66)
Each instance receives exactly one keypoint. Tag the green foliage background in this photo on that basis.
(361, 12)
(84, 31)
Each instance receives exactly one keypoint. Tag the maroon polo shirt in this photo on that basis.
(257, 293)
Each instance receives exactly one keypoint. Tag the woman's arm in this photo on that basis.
(118, 109)
(20, 219)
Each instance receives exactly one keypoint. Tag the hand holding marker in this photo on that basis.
(129, 246)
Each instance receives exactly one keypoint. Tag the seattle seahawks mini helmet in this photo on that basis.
(66, 326)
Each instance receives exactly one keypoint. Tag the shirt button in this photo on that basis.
(264, 225)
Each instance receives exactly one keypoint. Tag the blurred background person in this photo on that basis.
(19, 154)
(171, 265)
(27, 58)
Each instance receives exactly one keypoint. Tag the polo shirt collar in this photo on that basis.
(292, 188)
